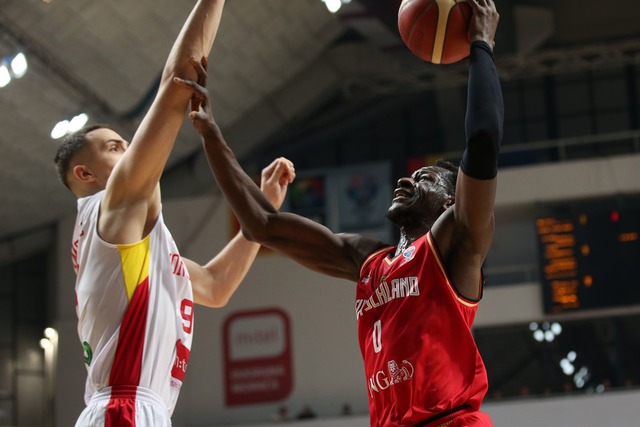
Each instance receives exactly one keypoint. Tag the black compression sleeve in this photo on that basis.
(485, 115)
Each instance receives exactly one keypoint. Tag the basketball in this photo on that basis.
(436, 31)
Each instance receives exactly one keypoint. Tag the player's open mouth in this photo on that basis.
(400, 194)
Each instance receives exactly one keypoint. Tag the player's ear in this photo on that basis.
(83, 174)
(449, 201)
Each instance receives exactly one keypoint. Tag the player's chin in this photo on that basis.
(396, 212)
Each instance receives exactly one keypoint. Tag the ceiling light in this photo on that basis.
(333, 5)
(19, 65)
(60, 129)
(538, 335)
(77, 122)
(5, 77)
(50, 333)
(549, 336)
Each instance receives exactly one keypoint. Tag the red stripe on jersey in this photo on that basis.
(121, 410)
(127, 363)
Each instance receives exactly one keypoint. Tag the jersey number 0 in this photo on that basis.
(377, 336)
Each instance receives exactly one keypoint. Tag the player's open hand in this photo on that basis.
(275, 180)
(484, 21)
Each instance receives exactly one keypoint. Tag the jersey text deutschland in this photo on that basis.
(398, 288)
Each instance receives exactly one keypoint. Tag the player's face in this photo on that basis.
(106, 148)
(421, 197)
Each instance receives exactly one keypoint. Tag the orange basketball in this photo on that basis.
(436, 30)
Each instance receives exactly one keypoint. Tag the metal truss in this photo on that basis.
(516, 66)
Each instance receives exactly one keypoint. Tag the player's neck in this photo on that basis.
(408, 237)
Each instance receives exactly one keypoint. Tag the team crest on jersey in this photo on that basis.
(409, 253)
(394, 374)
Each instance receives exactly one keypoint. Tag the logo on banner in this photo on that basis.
(257, 357)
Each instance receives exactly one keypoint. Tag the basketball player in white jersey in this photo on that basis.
(135, 294)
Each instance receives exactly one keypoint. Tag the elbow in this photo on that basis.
(219, 302)
(212, 297)
(489, 136)
(179, 67)
(485, 141)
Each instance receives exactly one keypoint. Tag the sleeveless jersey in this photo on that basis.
(414, 330)
(135, 310)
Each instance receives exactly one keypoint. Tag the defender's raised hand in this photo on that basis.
(201, 114)
(276, 177)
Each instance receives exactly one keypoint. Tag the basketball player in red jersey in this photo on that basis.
(415, 302)
(134, 292)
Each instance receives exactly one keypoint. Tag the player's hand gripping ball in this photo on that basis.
(436, 31)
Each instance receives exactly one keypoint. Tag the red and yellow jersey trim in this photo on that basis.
(135, 264)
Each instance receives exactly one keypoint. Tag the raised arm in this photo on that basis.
(301, 239)
(465, 232)
(132, 200)
(215, 282)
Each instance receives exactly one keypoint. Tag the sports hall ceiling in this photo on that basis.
(273, 63)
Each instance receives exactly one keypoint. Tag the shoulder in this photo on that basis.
(361, 245)
(89, 204)
(364, 248)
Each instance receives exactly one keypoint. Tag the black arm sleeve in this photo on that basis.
(485, 115)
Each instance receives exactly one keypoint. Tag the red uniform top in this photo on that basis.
(414, 329)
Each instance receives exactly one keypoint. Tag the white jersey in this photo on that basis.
(135, 310)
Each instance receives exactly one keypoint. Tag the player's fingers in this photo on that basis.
(268, 171)
(290, 169)
(283, 173)
(182, 82)
(474, 5)
(200, 70)
(199, 91)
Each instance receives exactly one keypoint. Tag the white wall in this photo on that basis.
(326, 360)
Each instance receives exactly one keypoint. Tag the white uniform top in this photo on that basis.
(135, 309)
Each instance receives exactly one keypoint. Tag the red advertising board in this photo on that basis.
(257, 357)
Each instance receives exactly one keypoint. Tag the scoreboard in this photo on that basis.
(590, 254)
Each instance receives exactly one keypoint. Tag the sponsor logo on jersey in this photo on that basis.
(394, 374)
(387, 291)
(180, 364)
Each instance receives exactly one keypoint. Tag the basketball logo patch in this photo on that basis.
(88, 353)
(409, 253)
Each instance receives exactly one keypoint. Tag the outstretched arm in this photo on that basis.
(466, 231)
(132, 200)
(215, 282)
(305, 241)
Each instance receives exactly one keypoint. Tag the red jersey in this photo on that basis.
(414, 329)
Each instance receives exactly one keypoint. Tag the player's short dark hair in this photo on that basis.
(69, 146)
(451, 178)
